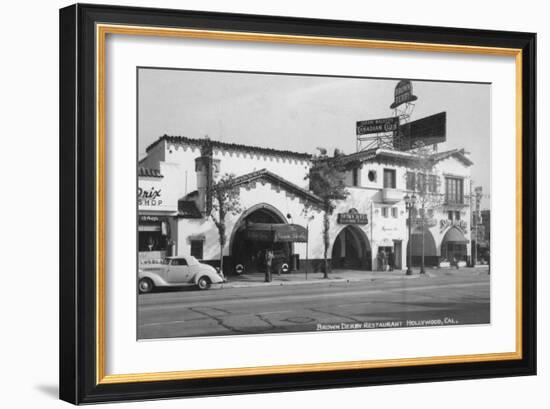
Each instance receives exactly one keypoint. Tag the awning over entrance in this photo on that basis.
(275, 232)
(455, 236)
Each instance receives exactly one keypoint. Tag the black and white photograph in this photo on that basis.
(281, 203)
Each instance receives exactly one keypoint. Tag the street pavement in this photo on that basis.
(441, 297)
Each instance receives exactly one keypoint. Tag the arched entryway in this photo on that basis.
(247, 254)
(454, 245)
(351, 250)
(422, 241)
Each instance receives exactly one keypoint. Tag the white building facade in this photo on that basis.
(274, 194)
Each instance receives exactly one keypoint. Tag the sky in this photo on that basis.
(301, 113)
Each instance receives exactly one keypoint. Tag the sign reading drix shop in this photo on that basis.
(377, 125)
(154, 195)
(353, 217)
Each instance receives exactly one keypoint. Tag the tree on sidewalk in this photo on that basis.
(225, 201)
(424, 182)
(326, 180)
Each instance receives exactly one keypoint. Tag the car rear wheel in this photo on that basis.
(204, 283)
(145, 285)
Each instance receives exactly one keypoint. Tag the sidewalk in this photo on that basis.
(258, 279)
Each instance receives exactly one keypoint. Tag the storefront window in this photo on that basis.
(153, 233)
(455, 252)
(151, 241)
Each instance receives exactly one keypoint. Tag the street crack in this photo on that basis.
(268, 322)
(218, 320)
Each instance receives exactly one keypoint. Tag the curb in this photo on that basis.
(240, 284)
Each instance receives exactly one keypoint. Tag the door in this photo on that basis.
(398, 253)
(178, 271)
(383, 257)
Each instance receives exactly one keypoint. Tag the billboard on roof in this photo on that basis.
(424, 131)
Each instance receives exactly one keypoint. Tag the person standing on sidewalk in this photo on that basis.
(268, 263)
(391, 260)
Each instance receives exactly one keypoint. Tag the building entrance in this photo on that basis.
(422, 244)
(248, 252)
(454, 246)
(351, 250)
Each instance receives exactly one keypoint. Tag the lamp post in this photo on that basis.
(410, 202)
(423, 215)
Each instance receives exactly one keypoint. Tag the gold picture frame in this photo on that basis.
(96, 24)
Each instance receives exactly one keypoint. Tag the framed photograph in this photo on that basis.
(257, 203)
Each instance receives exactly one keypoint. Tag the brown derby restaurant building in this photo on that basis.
(280, 212)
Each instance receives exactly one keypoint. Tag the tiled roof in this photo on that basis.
(371, 154)
(231, 146)
(148, 172)
(187, 209)
(278, 181)
(457, 153)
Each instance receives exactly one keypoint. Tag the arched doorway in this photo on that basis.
(248, 255)
(351, 250)
(422, 241)
(454, 245)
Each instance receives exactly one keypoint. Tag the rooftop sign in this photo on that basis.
(377, 125)
(403, 94)
(428, 131)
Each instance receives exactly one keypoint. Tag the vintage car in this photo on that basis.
(177, 272)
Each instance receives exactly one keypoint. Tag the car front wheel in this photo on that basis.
(145, 285)
(204, 283)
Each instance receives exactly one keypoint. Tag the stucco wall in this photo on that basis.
(380, 231)
(262, 193)
(238, 163)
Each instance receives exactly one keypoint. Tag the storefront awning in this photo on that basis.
(275, 232)
(455, 236)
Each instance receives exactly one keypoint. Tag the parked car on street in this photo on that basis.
(177, 272)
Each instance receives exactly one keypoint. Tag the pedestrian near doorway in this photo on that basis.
(384, 260)
(268, 263)
(455, 262)
(391, 260)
